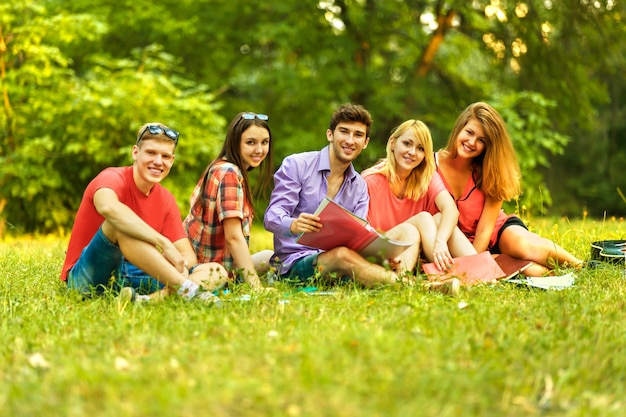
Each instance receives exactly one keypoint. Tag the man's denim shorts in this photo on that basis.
(99, 261)
(303, 270)
(128, 275)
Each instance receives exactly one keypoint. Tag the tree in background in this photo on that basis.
(572, 52)
(59, 128)
(551, 69)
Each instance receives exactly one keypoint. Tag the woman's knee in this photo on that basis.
(210, 275)
(262, 260)
(405, 232)
(422, 219)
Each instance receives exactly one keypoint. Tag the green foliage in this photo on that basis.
(79, 78)
(526, 116)
(61, 129)
(573, 50)
(508, 351)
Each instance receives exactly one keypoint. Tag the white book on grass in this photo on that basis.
(557, 282)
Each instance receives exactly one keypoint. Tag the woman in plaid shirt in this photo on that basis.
(218, 223)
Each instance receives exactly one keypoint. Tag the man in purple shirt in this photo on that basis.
(302, 182)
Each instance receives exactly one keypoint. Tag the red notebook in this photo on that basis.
(479, 268)
(343, 228)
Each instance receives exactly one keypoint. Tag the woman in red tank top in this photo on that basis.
(480, 169)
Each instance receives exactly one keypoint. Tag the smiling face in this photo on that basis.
(153, 161)
(471, 140)
(347, 141)
(408, 152)
(254, 146)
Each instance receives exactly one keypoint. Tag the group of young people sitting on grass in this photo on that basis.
(128, 232)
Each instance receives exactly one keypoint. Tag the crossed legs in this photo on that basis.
(346, 262)
(147, 258)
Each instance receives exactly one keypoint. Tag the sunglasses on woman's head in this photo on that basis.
(252, 116)
(157, 130)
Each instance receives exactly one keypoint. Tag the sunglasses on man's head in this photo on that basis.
(157, 130)
(252, 116)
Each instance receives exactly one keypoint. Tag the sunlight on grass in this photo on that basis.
(388, 351)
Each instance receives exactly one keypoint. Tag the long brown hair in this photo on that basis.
(497, 169)
(231, 152)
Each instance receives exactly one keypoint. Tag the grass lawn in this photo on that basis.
(497, 350)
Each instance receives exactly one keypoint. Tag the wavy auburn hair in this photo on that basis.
(497, 168)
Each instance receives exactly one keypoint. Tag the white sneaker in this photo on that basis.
(209, 298)
(126, 296)
(129, 295)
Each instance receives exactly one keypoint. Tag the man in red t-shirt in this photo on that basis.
(127, 221)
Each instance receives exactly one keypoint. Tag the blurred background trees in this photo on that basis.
(78, 78)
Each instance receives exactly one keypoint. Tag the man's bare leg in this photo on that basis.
(346, 262)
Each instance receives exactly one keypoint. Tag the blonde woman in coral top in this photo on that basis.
(405, 189)
(480, 169)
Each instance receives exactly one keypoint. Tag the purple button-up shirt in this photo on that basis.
(300, 185)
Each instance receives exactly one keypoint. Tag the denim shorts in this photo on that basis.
(93, 270)
(302, 270)
(99, 261)
(128, 275)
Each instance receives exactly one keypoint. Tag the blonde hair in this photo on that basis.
(497, 168)
(418, 180)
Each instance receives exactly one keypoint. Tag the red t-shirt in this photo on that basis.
(158, 209)
(386, 210)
